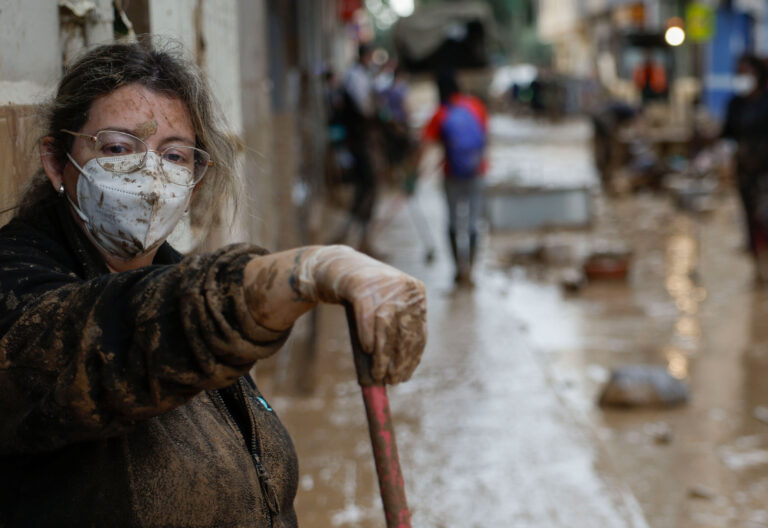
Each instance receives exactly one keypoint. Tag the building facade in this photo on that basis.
(607, 38)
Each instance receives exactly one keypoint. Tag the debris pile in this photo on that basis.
(641, 386)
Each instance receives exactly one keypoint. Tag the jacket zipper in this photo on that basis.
(270, 494)
(265, 483)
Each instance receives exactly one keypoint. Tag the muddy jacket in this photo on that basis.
(124, 397)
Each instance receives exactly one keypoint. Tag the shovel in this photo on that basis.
(382, 434)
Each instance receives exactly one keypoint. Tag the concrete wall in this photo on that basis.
(259, 207)
(30, 65)
(176, 19)
(222, 56)
(34, 41)
(29, 41)
(209, 32)
(28, 28)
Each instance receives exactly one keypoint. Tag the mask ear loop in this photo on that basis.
(189, 202)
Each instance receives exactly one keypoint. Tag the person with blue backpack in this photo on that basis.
(460, 124)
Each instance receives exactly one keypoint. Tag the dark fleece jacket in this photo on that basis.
(125, 398)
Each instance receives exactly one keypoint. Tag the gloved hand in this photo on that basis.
(390, 306)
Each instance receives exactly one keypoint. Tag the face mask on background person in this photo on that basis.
(744, 84)
(128, 214)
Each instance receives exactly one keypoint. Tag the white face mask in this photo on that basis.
(744, 84)
(129, 214)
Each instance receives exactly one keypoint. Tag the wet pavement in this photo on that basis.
(499, 425)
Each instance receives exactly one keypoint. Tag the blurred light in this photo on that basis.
(688, 327)
(403, 8)
(677, 365)
(674, 36)
(388, 16)
(380, 56)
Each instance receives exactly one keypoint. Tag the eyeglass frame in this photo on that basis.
(95, 139)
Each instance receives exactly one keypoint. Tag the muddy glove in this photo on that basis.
(390, 306)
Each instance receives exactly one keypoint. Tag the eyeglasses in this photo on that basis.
(113, 144)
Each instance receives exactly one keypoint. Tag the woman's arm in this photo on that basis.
(84, 359)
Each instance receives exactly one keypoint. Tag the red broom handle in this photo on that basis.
(382, 432)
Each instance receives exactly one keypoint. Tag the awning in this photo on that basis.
(432, 26)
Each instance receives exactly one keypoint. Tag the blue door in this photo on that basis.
(733, 37)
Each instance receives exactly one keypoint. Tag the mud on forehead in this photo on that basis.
(145, 129)
(143, 111)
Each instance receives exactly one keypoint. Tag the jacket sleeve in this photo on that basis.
(86, 359)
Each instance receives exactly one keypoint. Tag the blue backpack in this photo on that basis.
(464, 141)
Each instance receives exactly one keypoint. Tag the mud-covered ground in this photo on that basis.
(499, 425)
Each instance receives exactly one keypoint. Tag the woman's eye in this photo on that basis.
(116, 149)
(176, 156)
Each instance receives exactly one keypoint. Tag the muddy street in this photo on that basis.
(500, 426)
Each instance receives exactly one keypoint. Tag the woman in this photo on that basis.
(746, 123)
(125, 398)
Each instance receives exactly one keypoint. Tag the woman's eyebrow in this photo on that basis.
(117, 129)
(182, 139)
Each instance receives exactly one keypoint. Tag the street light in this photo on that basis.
(403, 8)
(675, 35)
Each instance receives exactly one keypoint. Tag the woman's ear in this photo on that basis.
(50, 163)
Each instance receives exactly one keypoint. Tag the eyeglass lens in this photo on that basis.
(112, 144)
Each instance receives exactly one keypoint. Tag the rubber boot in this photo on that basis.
(472, 249)
(472, 254)
(454, 247)
(455, 253)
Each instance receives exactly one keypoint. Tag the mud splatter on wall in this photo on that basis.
(18, 154)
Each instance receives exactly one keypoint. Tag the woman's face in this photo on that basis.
(157, 119)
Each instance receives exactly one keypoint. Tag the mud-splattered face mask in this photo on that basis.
(128, 214)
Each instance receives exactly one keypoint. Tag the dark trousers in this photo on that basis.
(364, 182)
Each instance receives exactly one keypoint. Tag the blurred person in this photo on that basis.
(126, 396)
(334, 101)
(536, 89)
(650, 79)
(606, 123)
(746, 123)
(339, 161)
(395, 119)
(460, 125)
(359, 113)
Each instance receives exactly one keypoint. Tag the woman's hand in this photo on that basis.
(390, 306)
